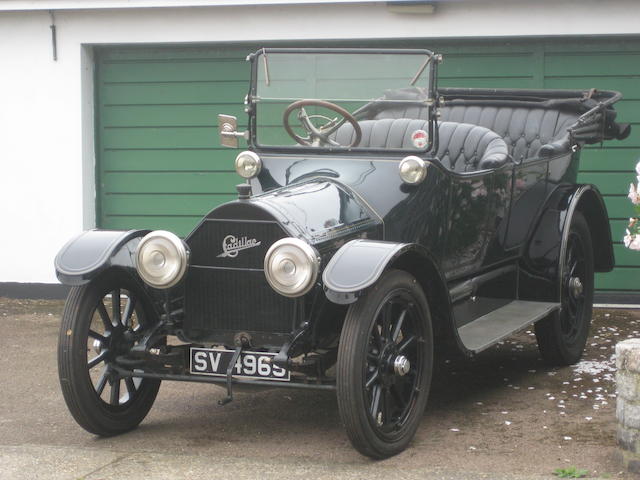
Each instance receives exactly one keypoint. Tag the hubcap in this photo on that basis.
(401, 365)
(575, 287)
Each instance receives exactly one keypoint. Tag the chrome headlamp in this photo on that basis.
(291, 267)
(413, 170)
(161, 259)
(248, 164)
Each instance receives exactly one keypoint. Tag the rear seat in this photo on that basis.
(462, 147)
(525, 130)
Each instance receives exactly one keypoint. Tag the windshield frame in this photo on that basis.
(256, 63)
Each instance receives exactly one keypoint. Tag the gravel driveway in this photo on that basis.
(501, 415)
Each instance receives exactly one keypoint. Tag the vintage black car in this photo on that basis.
(382, 219)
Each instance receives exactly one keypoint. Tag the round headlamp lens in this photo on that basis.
(161, 259)
(248, 164)
(291, 267)
(413, 170)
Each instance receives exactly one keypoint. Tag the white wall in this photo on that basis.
(46, 131)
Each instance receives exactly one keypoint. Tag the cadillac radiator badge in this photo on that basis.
(231, 245)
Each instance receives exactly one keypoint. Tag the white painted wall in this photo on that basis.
(46, 130)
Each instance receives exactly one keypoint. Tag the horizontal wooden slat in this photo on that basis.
(625, 257)
(159, 137)
(590, 63)
(169, 160)
(609, 159)
(151, 204)
(626, 85)
(618, 279)
(170, 115)
(223, 93)
(176, 71)
(169, 182)
(609, 183)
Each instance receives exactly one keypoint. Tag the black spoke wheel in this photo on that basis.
(101, 321)
(384, 365)
(563, 335)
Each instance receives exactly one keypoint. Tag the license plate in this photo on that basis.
(257, 365)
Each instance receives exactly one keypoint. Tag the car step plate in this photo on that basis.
(493, 327)
(253, 365)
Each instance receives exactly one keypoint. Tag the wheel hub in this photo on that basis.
(575, 287)
(401, 365)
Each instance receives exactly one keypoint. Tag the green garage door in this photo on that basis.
(160, 164)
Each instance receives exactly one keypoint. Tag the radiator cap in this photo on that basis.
(244, 191)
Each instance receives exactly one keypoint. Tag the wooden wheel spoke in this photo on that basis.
(97, 359)
(376, 336)
(406, 343)
(398, 326)
(104, 315)
(128, 310)
(375, 400)
(386, 320)
(115, 304)
(386, 406)
(102, 381)
(398, 397)
(97, 336)
(131, 387)
(114, 398)
(372, 379)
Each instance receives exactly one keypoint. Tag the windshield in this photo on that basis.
(337, 101)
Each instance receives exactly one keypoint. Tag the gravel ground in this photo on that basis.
(503, 414)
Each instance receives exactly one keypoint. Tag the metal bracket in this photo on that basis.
(282, 359)
(232, 364)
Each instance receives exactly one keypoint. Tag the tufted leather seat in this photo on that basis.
(525, 130)
(462, 147)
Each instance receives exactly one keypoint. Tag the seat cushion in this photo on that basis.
(462, 147)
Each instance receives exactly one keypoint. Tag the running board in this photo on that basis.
(495, 326)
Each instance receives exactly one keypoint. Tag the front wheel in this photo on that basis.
(384, 365)
(102, 320)
(563, 335)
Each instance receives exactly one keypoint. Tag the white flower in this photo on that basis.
(638, 168)
(627, 239)
(635, 243)
(634, 195)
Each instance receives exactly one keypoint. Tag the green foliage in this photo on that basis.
(570, 472)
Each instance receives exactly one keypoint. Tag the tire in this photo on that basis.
(562, 336)
(94, 331)
(380, 407)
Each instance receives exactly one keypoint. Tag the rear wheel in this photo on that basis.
(384, 365)
(102, 320)
(563, 335)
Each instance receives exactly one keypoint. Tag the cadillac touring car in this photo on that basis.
(380, 220)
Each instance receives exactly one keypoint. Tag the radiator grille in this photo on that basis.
(230, 292)
(236, 300)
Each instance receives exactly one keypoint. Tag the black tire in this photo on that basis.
(562, 336)
(391, 320)
(90, 339)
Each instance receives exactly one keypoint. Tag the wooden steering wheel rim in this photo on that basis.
(320, 103)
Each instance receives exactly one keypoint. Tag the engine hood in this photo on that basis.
(321, 210)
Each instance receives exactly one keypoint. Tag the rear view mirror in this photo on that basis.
(227, 126)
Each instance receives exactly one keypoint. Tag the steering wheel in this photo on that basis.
(319, 136)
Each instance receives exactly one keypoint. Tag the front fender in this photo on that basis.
(93, 251)
(356, 266)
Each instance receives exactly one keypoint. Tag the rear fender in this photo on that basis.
(545, 250)
(94, 251)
